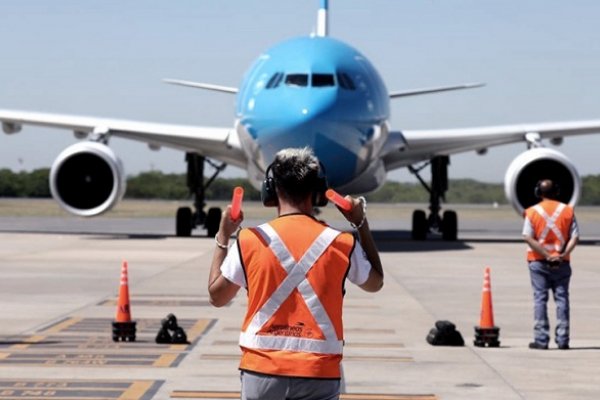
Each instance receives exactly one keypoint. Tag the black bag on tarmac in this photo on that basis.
(445, 334)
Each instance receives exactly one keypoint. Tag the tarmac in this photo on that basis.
(60, 280)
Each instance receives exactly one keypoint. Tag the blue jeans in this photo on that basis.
(545, 278)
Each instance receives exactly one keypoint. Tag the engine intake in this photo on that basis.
(536, 164)
(87, 179)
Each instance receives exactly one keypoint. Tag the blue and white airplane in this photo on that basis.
(308, 91)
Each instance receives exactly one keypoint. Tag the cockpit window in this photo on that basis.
(296, 80)
(275, 80)
(320, 80)
(345, 81)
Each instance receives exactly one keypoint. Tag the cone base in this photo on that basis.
(124, 331)
(487, 337)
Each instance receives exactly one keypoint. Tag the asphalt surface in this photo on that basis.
(60, 280)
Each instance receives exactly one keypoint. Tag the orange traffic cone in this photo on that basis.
(123, 309)
(486, 333)
(123, 327)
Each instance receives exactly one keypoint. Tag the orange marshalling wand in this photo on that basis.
(236, 202)
(338, 199)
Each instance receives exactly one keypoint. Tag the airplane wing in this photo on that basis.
(404, 148)
(213, 142)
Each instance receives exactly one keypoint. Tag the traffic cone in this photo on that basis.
(123, 327)
(486, 333)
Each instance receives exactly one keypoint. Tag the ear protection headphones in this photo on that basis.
(554, 190)
(268, 193)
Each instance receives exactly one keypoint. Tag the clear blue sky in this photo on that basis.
(539, 58)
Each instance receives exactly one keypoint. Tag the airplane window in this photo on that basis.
(345, 81)
(275, 80)
(296, 80)
(319, 80)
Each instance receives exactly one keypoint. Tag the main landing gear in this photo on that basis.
(187, 219)
(447, 224)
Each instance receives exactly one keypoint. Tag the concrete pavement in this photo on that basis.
(58, 292)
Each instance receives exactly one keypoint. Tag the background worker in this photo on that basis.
(294, 269)
(551, 231)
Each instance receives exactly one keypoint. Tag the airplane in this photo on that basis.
(312, 91)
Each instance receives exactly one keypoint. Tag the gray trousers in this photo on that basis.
(543, 279)
(257, 386)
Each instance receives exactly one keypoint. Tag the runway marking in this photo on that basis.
(93, 360)
(88, 342)
(227, 357)
(78, 389)
(158, 303)
(375, 331)
(370, 345)
(373, 345)
(62, 325)
(196, 394)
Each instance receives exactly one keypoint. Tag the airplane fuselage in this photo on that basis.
(317, 92)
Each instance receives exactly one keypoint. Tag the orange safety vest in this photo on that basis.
(551, 221)
(295, 270)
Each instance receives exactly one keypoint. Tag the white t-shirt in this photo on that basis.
(232, 269)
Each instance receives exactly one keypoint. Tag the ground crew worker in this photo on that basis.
(551, 231)
(293, 268)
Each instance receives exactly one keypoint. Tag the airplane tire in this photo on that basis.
(449, 225)
(183, 222)
(213, 219)
(419, 225)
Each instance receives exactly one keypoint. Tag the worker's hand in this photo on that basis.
(228, 226)
(356, 216)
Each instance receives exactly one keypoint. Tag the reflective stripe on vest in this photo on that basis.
(550, 226)
(296, 279)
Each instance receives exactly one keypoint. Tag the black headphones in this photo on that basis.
(268, 193)
(553, 191)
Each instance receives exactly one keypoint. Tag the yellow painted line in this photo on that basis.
(4, 355)
(165, 360)
(136, 390)
(178, 347)
(193, 333)
(191, 394)
(29, 341)
(374, 396)
(64, 325)
(199, 328)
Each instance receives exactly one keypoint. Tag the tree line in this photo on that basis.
(158, 185)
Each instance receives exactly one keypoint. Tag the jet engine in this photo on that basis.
(536, 164)
(87, 179)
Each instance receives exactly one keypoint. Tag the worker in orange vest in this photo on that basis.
(551, 231)
(294, 269)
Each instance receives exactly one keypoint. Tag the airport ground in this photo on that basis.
(60, 280)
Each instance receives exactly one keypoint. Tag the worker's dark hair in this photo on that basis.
(296, 172)
(547, 188)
